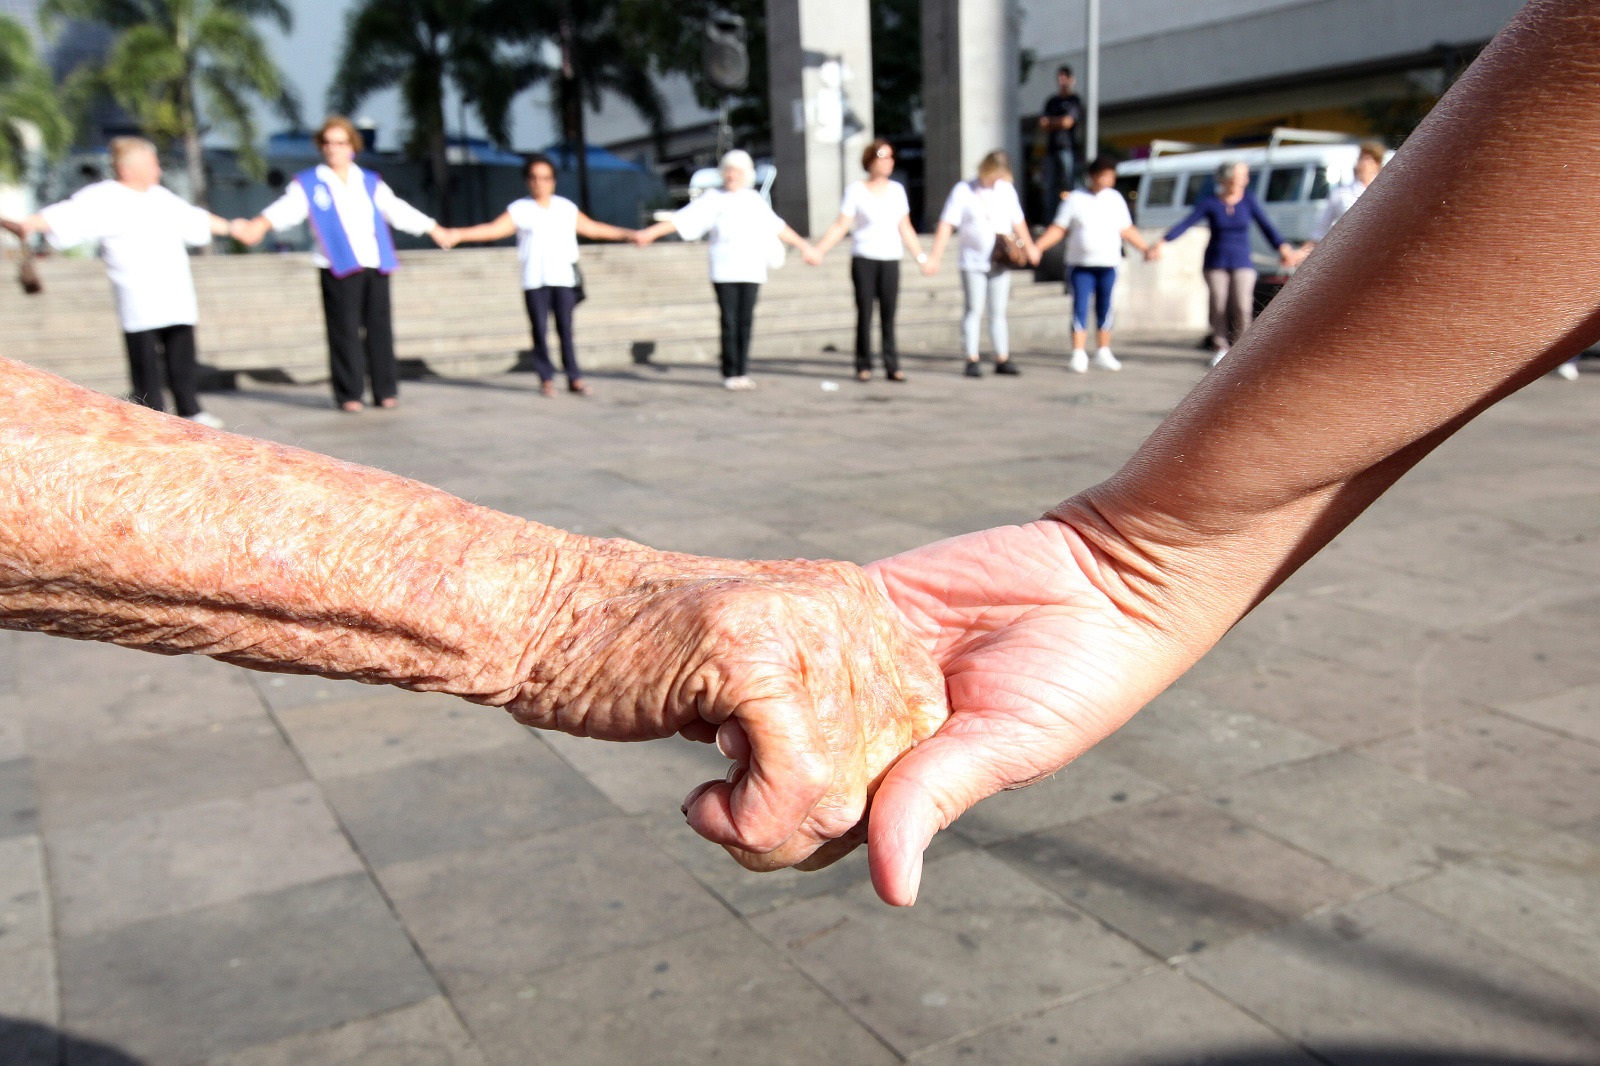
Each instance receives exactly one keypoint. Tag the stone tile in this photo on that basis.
(283, 692)
(1575, 711)
(8, 664)
(1369, 819)
(1384, 973)
(546, 901)
(1184, 738)
(82, 785)
(390, 728)
(423, 1034)
(1091, 785)
(1539, 650)
(27, 987)
(114, 873)
(1335, 701)
(1541, 903)
(131, 696)
(982, 945)
(651, 778)
(13, 738)
(249, 972)
(1519, 767)
(1161, 1017)
(1475, 592)
(466, 801)
(648, 1004)
(726, 535)
(19, 803)
(24, 894)
(1179, 877)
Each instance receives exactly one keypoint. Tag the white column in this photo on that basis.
(819, 54)
(969, 89)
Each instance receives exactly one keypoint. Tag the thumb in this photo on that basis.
(928, 789)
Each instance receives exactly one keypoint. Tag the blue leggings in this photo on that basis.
(1092, 283)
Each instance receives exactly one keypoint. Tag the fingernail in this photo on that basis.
(916, 881)
(722, 746)
(688, 800)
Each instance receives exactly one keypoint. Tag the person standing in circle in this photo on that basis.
(142, 229)
(982, 212)
(744, 234)
(350, 211)
(1095, 223)
(877, 215)
(1230, 272)
(547, 228)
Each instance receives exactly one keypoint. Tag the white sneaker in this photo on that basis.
(1079, 363)
(732, 384)
(1105, 360)
(747, 382)
(211, 421)
(1218, 356)
(1568, 371)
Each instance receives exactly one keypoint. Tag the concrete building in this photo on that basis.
(1228, 71)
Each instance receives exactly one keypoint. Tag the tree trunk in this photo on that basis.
(572, 102)
(194, 156)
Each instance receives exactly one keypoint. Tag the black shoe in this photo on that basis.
(974, 370)
(1007, 369)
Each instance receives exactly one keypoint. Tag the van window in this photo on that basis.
(1284, 184)
(1198, 185)
(1319, 184)
(1128, 186)
(1161, 190)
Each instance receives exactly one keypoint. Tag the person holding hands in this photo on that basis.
(144, 231)
(547, 228)
(1229, 269)
(1094, 222)
(877, 216)
(744, 235)
(983, 213)
(350, 211)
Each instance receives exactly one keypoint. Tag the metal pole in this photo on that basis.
(1091, 107)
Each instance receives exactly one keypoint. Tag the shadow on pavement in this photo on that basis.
(25, 1043)
(1342, 1056)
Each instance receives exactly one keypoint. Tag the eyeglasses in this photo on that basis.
(329, 142)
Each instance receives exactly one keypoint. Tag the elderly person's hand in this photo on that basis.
(800, 671)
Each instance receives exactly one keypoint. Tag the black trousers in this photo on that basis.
(360, 336)
(737, 299)
(876, 280)
(559, 299)
(170, 349)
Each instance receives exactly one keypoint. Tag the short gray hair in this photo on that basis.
(739, 159)
(1225, 171)
(121, 148)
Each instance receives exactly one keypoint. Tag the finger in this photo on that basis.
(733, 741)
(790, 770)
(926, 791)
(700, 731)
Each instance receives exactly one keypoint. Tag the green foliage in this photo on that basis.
(183, 67)
(27, 95)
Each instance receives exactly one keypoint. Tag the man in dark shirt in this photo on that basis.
(1062, 117)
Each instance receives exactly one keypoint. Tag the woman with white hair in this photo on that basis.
(983, 213)
(1230, 271)
(744, 233)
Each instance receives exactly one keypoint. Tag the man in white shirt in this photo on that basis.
(142, 229)
(1342, 198)
(1098, 221)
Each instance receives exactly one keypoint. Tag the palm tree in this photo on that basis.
(416, 45)
(26, 95)
(183, 67)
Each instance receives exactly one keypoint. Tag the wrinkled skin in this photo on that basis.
(801, 672)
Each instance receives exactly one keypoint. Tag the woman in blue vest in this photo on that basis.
(350, 211)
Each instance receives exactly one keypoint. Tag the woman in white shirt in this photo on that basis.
(877, 215)
(547, 228)
(350, 211)
(1094, 222)
(744, 233)
(980, 212)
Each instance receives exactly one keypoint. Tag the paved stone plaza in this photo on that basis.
(1365, 830)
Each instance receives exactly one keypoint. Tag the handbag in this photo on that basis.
(1008, 254)
(578, 295)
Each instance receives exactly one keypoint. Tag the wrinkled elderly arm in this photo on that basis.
(117, 524)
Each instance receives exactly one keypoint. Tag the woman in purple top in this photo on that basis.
(1230, 272)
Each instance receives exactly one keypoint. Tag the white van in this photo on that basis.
(1291, 177)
